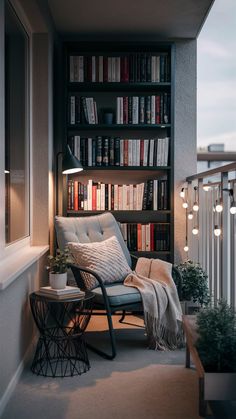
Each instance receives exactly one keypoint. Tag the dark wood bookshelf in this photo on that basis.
(102, 92)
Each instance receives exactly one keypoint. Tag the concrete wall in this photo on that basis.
(185, 157)
(16, 326)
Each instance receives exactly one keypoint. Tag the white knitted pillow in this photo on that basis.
(106, 258)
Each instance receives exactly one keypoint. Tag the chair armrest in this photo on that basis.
(77, 270)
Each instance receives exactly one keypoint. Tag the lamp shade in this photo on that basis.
(70, 163)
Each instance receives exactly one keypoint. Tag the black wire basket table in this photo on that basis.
(61, 349)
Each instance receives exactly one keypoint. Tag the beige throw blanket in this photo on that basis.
(162, 310)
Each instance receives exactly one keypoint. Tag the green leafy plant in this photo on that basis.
(216, 344)
(195, 282)
(59, 263)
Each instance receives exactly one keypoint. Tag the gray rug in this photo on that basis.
(138, 383)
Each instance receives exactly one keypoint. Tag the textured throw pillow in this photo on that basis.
(106, 258)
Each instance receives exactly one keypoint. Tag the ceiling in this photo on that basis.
(160, 18)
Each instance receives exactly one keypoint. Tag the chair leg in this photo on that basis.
(122, 316)
(112, 339)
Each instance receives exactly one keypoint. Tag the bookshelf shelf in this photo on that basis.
(140, 102)
(126, 127)
(128, 168)
(118, 87)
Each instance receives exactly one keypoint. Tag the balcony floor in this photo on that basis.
(138, 383)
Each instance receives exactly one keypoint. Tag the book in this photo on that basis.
(68, 291)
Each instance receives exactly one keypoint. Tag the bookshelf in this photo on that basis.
(135, 149)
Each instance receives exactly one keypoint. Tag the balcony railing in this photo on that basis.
(211, 228)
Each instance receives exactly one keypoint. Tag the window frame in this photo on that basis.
(8, 249)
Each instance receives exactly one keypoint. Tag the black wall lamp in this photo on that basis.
(70, 164)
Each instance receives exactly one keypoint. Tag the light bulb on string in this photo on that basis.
(232, 208)
(195, 230)
(190, 215)
(195, 206)
(185, 204)
(219, 206)
(182, 193)
(186, 249)
(217, 231)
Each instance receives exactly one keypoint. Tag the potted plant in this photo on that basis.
(57, 267)
(216, 345)
(195, 291)
(211, 340)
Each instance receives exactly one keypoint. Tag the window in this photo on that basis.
(16, 128)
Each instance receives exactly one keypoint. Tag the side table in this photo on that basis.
(61, 350)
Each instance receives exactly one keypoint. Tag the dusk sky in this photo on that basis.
(216, 79)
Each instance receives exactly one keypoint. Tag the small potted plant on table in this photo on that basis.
(57, 267)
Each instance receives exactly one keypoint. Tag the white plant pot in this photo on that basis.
(57, 281)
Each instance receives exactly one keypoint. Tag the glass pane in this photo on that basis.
(16, 128)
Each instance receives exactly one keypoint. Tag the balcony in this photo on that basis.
(211, 229)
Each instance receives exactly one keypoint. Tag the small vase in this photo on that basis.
(57, 281)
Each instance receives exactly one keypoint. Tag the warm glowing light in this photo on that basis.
(6, 172)
(217, 231)
(195, 206)
(195, 231)
(70, 171)
(233, 208)
(182, 193)
(219, 206)
(185, 205)
(190, 215)
(186, 248)
(206, 188)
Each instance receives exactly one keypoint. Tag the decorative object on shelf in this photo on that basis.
(57, 267)
(107, 116)
(216, 345)
(195, 284)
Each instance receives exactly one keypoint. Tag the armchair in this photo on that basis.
(110, 298)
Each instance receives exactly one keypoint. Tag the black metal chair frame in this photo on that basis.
(106, 307)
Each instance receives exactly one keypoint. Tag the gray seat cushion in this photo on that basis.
(118, 295)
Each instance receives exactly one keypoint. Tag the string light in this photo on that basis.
(195, 231)
(190, 215)
(233, 208)
(219, 206)
(182, 193)
(195, 206)
(217, 231)
(186, 249)
(185, 204)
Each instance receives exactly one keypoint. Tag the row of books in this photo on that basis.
(126, 68)
(154, 109)
(98, 196)
(146, 237)
(110, 151)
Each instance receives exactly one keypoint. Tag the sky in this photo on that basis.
(216, 77)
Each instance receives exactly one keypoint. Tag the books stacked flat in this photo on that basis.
(67, 292)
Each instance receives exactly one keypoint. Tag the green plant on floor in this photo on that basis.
(216, 344)
(195, 282)
(59, 263)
